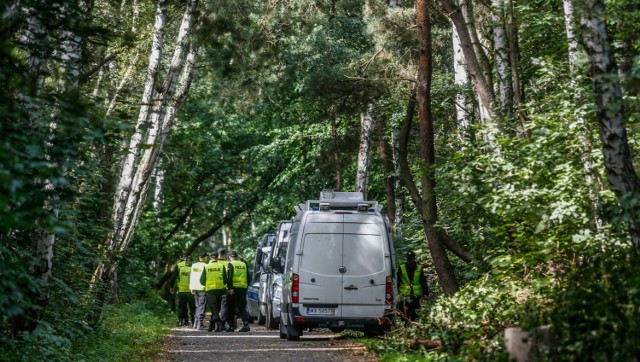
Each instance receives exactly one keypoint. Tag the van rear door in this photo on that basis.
(366, 261)
(320, 279)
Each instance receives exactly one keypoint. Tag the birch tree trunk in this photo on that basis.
(610, 113)
(503, 66)
(364, 153)
(153, 127)
(585, 144)
(464, 107)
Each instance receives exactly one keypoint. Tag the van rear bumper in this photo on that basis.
(297, 320)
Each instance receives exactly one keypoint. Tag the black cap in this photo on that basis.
(222, 251)
(410, 255)
(233, 253)
(213, 254)
(203, 254)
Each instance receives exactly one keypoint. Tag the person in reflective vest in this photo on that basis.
(412, 286)
(237, 282)
(214, 279)
(186, 303)
(197, 289)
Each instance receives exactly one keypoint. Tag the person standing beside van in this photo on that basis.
(237, 282)
(197, 289)
(412, 286)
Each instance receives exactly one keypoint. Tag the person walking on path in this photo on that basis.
(412, 286)
(214, 279)
(197, 289)
(237, 282)
(186, 302)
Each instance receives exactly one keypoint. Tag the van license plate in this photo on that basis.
(320, 311)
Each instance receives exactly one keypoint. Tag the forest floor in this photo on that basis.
(260, 344)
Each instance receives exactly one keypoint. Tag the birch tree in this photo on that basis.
(159, 104)
(573, 49)
(503, 66)
(610, 113)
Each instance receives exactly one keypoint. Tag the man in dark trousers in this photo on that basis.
(214, 279)
(186, 302)
(237, 282)
(412, 286)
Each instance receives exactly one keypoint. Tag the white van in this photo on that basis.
(340, 267)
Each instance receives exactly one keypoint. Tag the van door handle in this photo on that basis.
(351, 287)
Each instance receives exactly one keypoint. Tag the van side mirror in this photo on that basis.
(265, 264)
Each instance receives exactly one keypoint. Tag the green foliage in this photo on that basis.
(127, 331)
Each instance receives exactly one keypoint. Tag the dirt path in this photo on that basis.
(260, 344)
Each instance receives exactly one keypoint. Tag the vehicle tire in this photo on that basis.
(293, 334)
(271, 322)
(372, 332)
(261, 318)
(282, 330)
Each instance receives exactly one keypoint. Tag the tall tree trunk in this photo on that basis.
(425, 199)
(621, 174)
(585, 143)
(397, 185)
(478, 72)
(336, 152)
(464, 106)
(514, 59)
(153, 128)
(364, 152)
(387, 168)
(503, 66)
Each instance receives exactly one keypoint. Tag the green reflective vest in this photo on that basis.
(182, 263)
(183, 279)
(215, 276)
(406, 285)
(239, 274)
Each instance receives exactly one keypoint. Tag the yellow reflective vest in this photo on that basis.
(239, 274)
(183, 279)
(405, 287)
(215, 276)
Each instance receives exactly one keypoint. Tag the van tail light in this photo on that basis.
(295, 288)
(388, 291)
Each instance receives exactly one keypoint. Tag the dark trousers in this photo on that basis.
(217, 303)
(409, 306)
(237, 300)
(186, 301)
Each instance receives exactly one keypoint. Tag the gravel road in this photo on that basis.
(260, 344)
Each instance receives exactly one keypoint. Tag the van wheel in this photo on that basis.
(261, 318)
(283, 331)
(293, 334)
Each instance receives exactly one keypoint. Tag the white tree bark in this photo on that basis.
(621, 174)
(152, 128)
(464, 107)
(503, 66)
(364, 153)
(586, 146)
